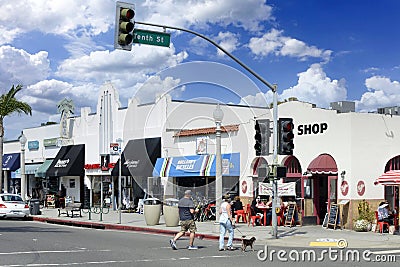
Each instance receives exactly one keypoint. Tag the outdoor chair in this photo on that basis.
(381, 225)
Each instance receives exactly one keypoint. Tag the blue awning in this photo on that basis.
(11, 162)
(196, 165)
(29, 169)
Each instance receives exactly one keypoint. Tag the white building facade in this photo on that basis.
(169, 145)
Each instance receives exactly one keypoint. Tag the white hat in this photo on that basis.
(384, 205)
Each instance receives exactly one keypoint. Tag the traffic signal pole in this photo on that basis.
(275, 162)
(275, 110)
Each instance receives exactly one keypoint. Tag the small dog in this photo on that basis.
(248, 243)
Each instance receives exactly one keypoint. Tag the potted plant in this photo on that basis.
(365, 217)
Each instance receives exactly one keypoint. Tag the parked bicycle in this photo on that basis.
(207, 210)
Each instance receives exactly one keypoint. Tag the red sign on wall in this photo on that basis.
(360, 188)
(244, 187)
(344, 188)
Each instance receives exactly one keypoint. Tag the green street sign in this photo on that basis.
(151, 37)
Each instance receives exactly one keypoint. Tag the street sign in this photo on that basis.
(114, 148)
(151, 37)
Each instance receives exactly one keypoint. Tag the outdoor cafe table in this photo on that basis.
(264, 209)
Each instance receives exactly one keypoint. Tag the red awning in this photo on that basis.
(323, 164)
(389, 178)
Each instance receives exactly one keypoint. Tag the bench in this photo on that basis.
(71, 207)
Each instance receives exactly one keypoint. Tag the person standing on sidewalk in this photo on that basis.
(225, 224)
(186, 214)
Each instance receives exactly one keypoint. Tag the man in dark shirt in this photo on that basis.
(186, 212)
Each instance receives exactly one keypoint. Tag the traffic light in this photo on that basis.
(285, 136)
(124, 26)
(261, 137)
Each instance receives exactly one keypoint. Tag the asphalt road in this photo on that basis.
(25, 243)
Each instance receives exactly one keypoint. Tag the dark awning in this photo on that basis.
(139, 157)
(70, 161)
(11, 162)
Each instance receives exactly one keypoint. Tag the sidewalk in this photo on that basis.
(300, 236)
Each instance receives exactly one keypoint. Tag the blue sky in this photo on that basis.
(317, 51)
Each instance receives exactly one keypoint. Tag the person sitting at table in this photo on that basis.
(383, 213)
(237, 207)
(254, 208)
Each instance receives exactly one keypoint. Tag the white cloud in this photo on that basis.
(313, 86)
(119, 65)
(247, 14)
(156, 86)
(18, 66)
(72, 17)
(258, 100)
(382, 92)
(273, 42)
(228, 41)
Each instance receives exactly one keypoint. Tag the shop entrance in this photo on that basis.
(320, 188)
(321, 197)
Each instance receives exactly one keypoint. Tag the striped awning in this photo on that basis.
(196, 165)
(389, 178)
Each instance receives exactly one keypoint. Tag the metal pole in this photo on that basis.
(23, 177)
(22, 141)
(215, 44)
(101, 199)
(119, 141)
(218, 170)
(119, 188)
(275, 162)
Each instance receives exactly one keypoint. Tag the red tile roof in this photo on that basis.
(205, 131)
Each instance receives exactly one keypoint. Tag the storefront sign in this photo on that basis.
(50, 142)
(360, 188)
(344, 188)
(185, 164)
(284, 189)
(33, 145)
(315, 128)
(97, 166)
(114, 149)
(201, 145)
(132, 163)
(105, 161)
(61, 163)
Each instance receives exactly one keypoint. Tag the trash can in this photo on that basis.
(34, 207)
(171, 212)
(152, 210)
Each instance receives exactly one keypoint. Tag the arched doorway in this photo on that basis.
(294, 173)
(320, 187)
(259, 167)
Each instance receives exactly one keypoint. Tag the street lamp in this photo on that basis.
(119, 141)
(218, 115)
(22, 141)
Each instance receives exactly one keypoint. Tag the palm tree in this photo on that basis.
(9, 105)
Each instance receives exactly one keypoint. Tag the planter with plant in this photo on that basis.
(366, 217)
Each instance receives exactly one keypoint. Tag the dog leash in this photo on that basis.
(234, 227)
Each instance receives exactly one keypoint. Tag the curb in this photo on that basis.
(106, 226)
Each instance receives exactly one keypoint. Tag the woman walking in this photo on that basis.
(225, 224)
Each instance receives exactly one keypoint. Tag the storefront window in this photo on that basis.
(308, 188)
